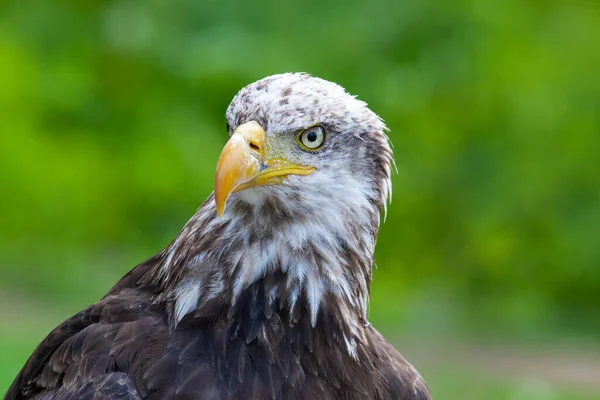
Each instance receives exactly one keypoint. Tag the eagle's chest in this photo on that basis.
(261, 352)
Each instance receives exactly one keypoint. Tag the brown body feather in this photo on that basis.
(123, 348)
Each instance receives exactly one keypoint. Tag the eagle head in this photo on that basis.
(306, 146)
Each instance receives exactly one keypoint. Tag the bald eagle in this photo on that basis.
(263, 294)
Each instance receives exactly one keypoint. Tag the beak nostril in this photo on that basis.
(254, 147)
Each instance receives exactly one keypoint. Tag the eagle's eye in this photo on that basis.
(313, 138)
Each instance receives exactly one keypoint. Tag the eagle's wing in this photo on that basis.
(403, 379)
(85, 357)
(118, 348)
(75, 361)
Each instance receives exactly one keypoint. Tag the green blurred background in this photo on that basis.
(111, 122)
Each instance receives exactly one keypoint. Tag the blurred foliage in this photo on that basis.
(112, 122)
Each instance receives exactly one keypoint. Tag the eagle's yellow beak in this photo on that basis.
(243, 164)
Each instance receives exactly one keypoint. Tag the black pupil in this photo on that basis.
(311, 137)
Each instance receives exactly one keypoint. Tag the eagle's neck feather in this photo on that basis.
(317, 258)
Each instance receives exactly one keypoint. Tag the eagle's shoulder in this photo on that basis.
(82, 355)
(402, 378)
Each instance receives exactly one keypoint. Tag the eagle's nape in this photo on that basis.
(266, 301)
